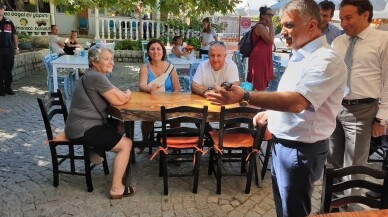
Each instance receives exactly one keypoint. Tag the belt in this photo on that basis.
(358, 101)
(290, 143)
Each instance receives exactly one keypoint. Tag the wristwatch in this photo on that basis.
(246, 96)
(245, 100)
(380, 121)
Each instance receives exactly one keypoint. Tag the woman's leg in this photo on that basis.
(120, 162)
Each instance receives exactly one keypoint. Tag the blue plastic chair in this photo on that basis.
(83, 26)
(144, 51)
(204, 57)
(193, 70)
(63, 80)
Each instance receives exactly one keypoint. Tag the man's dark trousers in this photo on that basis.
(7, 60)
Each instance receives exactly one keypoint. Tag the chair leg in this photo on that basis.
(211, 161)
(88, 173)
(160, 166)
(71, 158)
(105, 164)
(196, 171)
(266, 158)
(243, 162)
(219, 173)
(256, 169)
(165, 172)
(249, 174)
(55, 165)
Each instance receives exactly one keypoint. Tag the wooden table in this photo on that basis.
(366, 213)
(68, 61)
(146, 107)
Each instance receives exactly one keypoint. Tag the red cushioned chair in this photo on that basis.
(239, 143)
(184, 142)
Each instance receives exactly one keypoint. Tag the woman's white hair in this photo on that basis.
(95, 51)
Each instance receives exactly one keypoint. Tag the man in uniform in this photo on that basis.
(8, 48)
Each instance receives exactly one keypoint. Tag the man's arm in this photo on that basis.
(279, 101)
(16, 43)
(198, 89)
(61, 43)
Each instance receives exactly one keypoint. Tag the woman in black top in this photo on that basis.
(71, 43)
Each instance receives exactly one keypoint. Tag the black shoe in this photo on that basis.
(373, 195)
(10, 92)
(2, 93)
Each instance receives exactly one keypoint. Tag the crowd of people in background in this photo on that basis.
(331, 100)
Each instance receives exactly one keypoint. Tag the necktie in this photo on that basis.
(349, 58)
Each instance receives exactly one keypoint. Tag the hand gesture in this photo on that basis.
(153, 88)
(260, 119)
(378, 129)
(222, 96)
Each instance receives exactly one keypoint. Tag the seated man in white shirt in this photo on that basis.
(55, 43)
(216, 70)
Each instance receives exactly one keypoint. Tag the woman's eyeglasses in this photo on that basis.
(270, 15)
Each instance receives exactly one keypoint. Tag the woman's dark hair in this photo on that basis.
(361, 5)
(209, 27)
(153, 41)
(263, 10)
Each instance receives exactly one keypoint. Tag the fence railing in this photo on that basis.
(119, 28)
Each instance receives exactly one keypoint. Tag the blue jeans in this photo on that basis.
(295, 168)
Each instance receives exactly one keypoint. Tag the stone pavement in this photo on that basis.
(26, 173)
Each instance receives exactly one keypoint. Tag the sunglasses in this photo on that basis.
(217, 42)
(270, 15)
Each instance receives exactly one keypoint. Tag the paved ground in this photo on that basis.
(26, 173)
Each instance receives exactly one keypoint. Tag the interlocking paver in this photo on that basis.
(26, 174)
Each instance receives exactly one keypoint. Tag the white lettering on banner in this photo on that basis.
(29, 21)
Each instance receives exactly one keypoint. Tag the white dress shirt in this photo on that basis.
(315, 71)
(369, 75)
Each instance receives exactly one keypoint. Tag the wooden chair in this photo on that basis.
(328, 202)
(52, 106)
(239, 143)
(187, 140)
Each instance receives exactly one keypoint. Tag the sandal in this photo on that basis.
(128, 191)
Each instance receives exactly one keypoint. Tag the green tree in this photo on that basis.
(175, 7)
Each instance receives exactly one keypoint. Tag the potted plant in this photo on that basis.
(24, 41)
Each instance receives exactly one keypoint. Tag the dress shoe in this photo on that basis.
(2, 93)
(10, 92)
(372, 194)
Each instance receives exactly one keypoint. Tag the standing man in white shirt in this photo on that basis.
(55, 43)
(361, 115)
(327, 12)
(301, 114)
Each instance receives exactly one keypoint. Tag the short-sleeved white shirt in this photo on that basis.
(53, 44)
(206, 76)
(318, 73)
(207, 38)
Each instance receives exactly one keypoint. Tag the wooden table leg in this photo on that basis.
(129, 126)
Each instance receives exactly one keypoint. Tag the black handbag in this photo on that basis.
(109, 122)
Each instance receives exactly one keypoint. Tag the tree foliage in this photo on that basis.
(175, 7)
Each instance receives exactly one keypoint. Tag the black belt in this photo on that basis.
(358, 101)
(290, 143)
